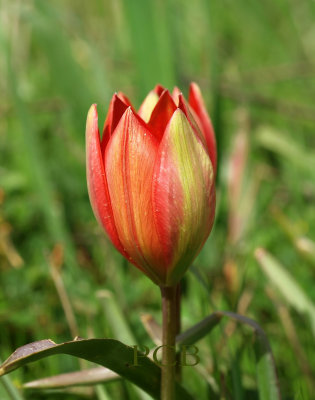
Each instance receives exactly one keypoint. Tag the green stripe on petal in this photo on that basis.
(182, 195)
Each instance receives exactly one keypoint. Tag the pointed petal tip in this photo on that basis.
(194, 86)
(165, 101)
(182, 103)
(178, 114)
(131, 115)
(119, 96)
(195, 95)
(92, 109)
(91, 121)
(165, 91)
(116, 97)
(161, 114)
(147, 106)
(196, 102)
(122, 97)
(129, 111)
(166, 95)
(92, 114)
(159, 89)
(178, 119)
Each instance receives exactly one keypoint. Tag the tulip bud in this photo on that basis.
(151, 180)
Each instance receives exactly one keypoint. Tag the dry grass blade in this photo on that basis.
(153, 329)
(84, 377)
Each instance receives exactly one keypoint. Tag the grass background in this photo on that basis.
(255, 64)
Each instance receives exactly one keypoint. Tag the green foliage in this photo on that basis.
(110, 353)
(255, 64)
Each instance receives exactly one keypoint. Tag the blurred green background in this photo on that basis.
(255, 64)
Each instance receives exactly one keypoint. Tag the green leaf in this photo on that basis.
(286, 284)
(109, 353)
(198, 331)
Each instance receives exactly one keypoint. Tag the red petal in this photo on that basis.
(192, 118)
(96, 180)
(124, 99)
(161, 114)
(175, 94)
(129, 163)
(116, 109)
(197, 104)
(159, 89)
(147, 106)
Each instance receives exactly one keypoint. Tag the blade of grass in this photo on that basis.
(284, 146)
(286, 284)
(101, 393)
(12, 391)
(118, 325)
(116, 319)
(147, 22)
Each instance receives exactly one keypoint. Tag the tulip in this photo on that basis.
(151, 179)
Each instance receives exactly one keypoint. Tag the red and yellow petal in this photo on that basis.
(196, 102)
(96, 180)
(161, 114)
(183, 196)
(151, 179)
(192, 119)
(175, 95)
(129, 163)
(116, 109)
(124, 99)
(159, 89)
(148, 105)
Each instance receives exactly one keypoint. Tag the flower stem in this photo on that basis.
(178, 372)
(168, 340)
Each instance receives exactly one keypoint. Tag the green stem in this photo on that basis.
(178, 372)
(168, 340)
